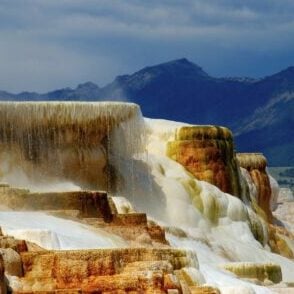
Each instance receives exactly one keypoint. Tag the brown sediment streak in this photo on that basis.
(105, 270)
(259, 271)
(256, 163)
(61, 140)
(208, 153)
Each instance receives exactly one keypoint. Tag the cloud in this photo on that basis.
(47, 43)
(27, 64)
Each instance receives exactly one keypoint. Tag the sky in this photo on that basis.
(50, 44)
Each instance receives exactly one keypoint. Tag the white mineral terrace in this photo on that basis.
(51, 232)
(154, 184)
(51, 142)
(20, 114)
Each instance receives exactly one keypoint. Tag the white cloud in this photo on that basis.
(47, 44)
(30, 65)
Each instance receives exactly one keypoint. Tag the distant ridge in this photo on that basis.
(181, 90)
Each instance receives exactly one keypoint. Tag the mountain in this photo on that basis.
(87, 91)
(259, 111)
(178, 90)
(270, 129)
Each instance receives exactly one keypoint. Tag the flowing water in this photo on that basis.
(48, 143)
(110, 146)
(217, 225)
(51, 232)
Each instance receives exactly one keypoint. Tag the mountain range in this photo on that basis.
(259, 111)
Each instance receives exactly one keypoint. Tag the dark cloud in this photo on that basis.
(57, 43)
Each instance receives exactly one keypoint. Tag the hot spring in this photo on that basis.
(182, 183)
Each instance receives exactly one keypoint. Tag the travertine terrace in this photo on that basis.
(255, 164)
(208, 153)
(65, 141)
(94, 198)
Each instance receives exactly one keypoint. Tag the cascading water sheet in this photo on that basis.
(74, 142)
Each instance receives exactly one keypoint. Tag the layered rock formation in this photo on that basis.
(43, 143)
(208, 153)
(94, 208)
(253, 271)
(59, 142)
(85, 203)
(103, 271)
(255, 164)
(94, 271)
(280, 240)
(130, 270)
(12, 243)
(10, 261)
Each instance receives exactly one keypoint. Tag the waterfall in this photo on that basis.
(70, 144)
(110, 146)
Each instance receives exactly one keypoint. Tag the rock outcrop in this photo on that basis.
(105, 271)
(203, 290)
(72, 143)
(12, 243)
(208, 153)
(85, 203)
(280, 240)
(154, 269)
(255, 271)
(255, 164)
(130, 270)
(94, 208)
(10, 260)
(61, 141)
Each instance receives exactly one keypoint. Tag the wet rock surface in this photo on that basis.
(140, 270)
(208, 153)
(255, 164)
(254, 271)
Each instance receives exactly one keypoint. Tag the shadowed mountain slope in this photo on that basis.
(260, 111)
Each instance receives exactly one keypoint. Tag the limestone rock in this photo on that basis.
(10, 242)
(157, 265)
(279, 241)
(94, 208)
(12, 262)
(171, 283)
(156, 232)
(132, 219)
(255, 164)
(61, 140)
(260, 272)
(146, 270)
(88, 203)
(120, 205)
(203, 290)
(207, 152)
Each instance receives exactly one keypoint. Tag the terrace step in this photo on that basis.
(88, 203)
(131, 270)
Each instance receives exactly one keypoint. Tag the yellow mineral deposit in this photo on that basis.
(208, 153)
(260, 272)
(255, 164)
(102, 270)
(178, 215)
(43, 142)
